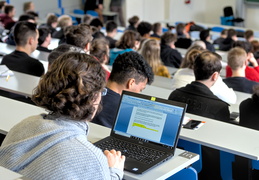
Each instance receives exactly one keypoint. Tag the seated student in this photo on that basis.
(251, 72)
(255, 49)
(80, 36)
(44, 39)
(51, 24)
(87, 19)
(26, 38)
(129, 41)
(249, 35)
(150, 50)
(249, 111)
(100, 50)
(169, 55)
(28, 6)
(144, 29)
(55, 145)
(183, 37)
(96, 22)
(111, 30)
(227, 43)
(7, 18)
(223, 35)
(200, 99)
(130, 72)
(205, 37)
(237, 60)
(157, 31)
(23, 17)
(63, 22)
(185, 75)
(2, 6)
(133, 23)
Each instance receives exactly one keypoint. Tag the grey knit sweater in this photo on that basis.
(47, 147)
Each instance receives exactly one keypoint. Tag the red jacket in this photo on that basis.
(252, 73)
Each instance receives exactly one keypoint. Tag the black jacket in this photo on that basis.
(170, 57)
(201, 101)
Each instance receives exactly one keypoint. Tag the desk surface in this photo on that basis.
(7, 49)
(223, 136)
(19, 83)
(23, 110)
(7, 174)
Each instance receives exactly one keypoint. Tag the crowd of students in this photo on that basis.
(78, 74)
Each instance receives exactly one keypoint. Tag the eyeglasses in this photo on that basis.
(104, 92)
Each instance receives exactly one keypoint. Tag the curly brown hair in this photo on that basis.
(71, 86)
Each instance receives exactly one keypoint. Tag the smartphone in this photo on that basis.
(192, 124)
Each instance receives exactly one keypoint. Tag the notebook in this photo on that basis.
(145, 130)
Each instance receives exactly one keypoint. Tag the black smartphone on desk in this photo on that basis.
(192, 124)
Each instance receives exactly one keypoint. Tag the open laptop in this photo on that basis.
(146, 130)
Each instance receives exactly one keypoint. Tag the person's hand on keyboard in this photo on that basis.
(115, 159)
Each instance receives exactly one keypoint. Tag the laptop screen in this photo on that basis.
(149, 119)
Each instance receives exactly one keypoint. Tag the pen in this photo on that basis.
(7, 77)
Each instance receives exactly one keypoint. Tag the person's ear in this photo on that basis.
(130, 83)
(87, 48)
(215, 76)
(31, 40)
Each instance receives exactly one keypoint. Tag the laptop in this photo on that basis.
(145, 130)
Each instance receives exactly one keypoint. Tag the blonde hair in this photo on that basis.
(64, 21)
(190, 56)
(236, 58)
(150, 50)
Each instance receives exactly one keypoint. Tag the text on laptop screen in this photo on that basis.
(150, 120)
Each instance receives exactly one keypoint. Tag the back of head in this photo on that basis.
(248, 34)
(79, 36)
(150, 50)
(64, 21)
(224, 32)
(8, 8)
(96, 22)
(255, 45)
(131, 65)
(204, 34)
(190, 56)
(243, 44)
(33, 13)
(23, 31)
(198, 44)
(255, 95)
(2, 4)
(167, 38)
(110, 26)
(231, 33)
(133, 20)
(43, 34)
(180, 28)
(99, 49)
(144, 28)
(61, 49)
(52, 18)
(27, 17)
(236, 58)
(206, 64)
(156, 27)
(27, 6)
(128, 39)
(87, 18)
(71, 86)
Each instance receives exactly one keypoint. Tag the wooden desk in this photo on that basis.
(21, 110)
(19, 83)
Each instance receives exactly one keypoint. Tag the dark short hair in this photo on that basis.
(255, 95)
(110, 26)
(206, 64)
(52, 18)
(248, 34)
(43, 34)
(128, 39)
(26, 17)
(61, 49)
(231, 33)
(99, 48)
(34, 14)
(180, 28)
(79, 35)
(133, 20)
(204, 34)
(8, 8)
(2, 3)
(144, 28)
(244, 45)
(156, 27)
(23, 30)
(167, 38)
(71, 86)
(131, 65)
(96, 22)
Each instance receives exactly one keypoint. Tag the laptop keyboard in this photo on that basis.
(134, 151)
